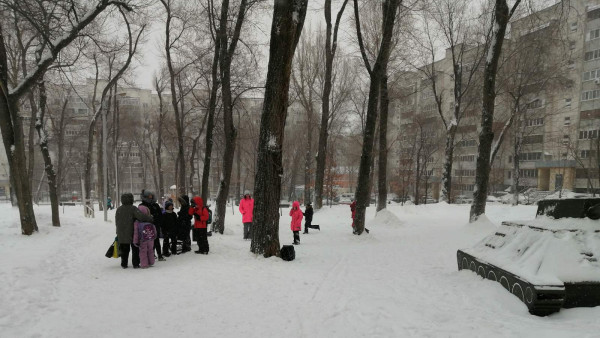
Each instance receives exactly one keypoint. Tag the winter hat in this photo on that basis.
(246, 192)
(146, 196)
(144, 209)
(168, 204)
(308, 204)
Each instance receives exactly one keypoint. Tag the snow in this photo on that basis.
(401, 280)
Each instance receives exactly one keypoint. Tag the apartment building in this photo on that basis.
(557, 123)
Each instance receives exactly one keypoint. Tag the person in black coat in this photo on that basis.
(149, 201)
(308, 215)
(169, 230)
(184, 221)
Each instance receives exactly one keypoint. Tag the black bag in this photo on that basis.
(288, 253)
(315, 226)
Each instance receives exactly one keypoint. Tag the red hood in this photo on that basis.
(296, 204)
(198, 201)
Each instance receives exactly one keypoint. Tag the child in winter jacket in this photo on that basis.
(144, 234)
(296, 224)
(308, 215)
(169, 230)
(200, 214)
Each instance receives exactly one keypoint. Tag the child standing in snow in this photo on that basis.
(308, 215)
(144, 234)
(353, 210)
(296, 224)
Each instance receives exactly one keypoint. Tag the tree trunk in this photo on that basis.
(330, 48)
(39, 125)
(390, 8)
(210, 123)
(448, 163)
(383, 151)
(226, 54)
(308, 160)
(30, 141)
(486, 135)
(288, 19)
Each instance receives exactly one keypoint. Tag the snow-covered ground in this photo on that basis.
(401, 280)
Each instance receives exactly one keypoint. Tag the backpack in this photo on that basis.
(147, 232)
(209, 220)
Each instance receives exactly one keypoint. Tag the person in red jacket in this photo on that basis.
(246, 209)
(353, 210)
(296, 224)
(200, 214)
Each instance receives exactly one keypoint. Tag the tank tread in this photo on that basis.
(541, 300)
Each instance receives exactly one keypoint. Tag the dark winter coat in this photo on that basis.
(183, 217)
(125, 215)
(308, 214)
(154, 208)
(169, 222)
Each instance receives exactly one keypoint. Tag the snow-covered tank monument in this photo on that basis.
(550, 262)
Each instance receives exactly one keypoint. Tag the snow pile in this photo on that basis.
(545, 251)
(386, 218)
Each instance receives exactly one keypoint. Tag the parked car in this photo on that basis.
(462, 199)
(346, 198)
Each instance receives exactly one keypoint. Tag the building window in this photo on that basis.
(573, 26)
(510, 159)
(466, 143)
(537, 103)
(592, 55)
(590, 95)
(533, 139)
(594, 34)
(571, 64)
(591, 75)
(567, 121)
(509, 174)
(565, 139)
(530, 156)
(564, 156)
(464, 172)
(568, 102)
(588, 134)
(528, 173)
(584, 154)
(535, 122)
(572, 45)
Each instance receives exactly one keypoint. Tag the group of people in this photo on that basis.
(139, 228)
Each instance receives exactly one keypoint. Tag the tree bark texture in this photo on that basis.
(288, 20)
(390, 7)
(486, 135)
(383, 151)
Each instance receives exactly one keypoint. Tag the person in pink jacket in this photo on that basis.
(144, 234)
(296, 225)
(246, 209)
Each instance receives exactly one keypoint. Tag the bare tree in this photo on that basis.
(446, 22)
(500, 18)
(377, 74)
(72, 21)
(330, 50)
(288, 20)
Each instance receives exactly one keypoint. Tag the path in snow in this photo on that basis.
(400, 280)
